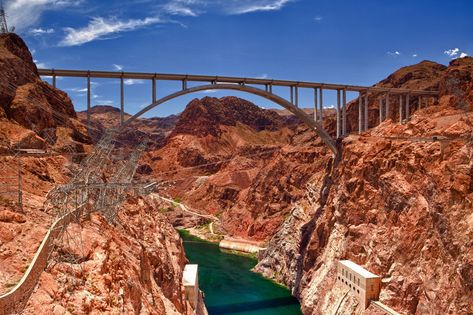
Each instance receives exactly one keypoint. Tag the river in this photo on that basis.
(229, 285)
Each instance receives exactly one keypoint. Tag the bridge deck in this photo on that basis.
(225, 79)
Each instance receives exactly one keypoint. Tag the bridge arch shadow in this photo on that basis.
(308, 120)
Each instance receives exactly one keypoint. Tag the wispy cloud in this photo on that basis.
(183, 7)
(318, 18)
(117, 67)
(100, 28)
(232, 7)
(394, 53)
(455, 53)
(40, 31)
(24, 13)
(263, 76)
(133, 81)
(414, 55)
(250, 6)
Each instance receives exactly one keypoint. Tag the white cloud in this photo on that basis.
(40, 65)
(455, 53)
(41, 31)
(24, 13)
(250, 6)
(182, 7)
(452, 52)
(197, 7)
(78, 90)
(414, 55)
(395, 53)
(263, 76)
(117, 67)
(99, 28)
(318, 18)
(133, 81)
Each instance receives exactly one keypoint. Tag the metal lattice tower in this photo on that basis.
(114, 193)
(3, 21)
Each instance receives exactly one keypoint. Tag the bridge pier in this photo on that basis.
(400, 109)
(88, 100)
(297, 95)
(407, 106)
(338, 115)
(380, 110)
(122, 100)
(321, 104)
(419, 102)
(344, 113)
(360, 113)
(316, 116)
(366, 110)
(153, 94)
(387, 107)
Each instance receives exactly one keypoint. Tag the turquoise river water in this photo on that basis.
(229, 285)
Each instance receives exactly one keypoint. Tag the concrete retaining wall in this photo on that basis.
(19, 294)
(240, 246)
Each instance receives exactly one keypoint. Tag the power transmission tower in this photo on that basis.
(3, 21)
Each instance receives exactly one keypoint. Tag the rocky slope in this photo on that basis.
(232, 159)
(398, 203)
(154, 130)
(98, 268)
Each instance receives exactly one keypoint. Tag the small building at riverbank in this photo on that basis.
(364, 285)
(190, 280)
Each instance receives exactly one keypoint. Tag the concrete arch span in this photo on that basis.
(308, 120)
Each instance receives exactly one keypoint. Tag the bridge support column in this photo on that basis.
(360, 113)
(184, 84)
(400, 109)
(321, 104)
(387, 116)
(419, 102)
(407, 106)
(366, 110)
(297, 95)
(88, 99)
(122, 100)
(344, 113)
(153, 94)
(338, 115)
(54, 81)
(316, 114)
(380, 110)
(291, 88)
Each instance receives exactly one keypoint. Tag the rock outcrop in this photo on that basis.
(134, 268)
(399, 203)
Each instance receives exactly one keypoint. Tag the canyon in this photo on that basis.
(397, 200)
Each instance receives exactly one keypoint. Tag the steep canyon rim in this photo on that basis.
(397, 205)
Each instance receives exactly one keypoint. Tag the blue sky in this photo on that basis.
(336, 41)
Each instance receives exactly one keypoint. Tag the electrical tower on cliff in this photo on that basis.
(3, 21)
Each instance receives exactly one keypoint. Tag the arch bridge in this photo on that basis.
(262, 88)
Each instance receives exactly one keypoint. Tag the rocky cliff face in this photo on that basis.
(152, 130)
(135, 268)
(241, 163)
(27, 101)
(398, 203)
(132, 269)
